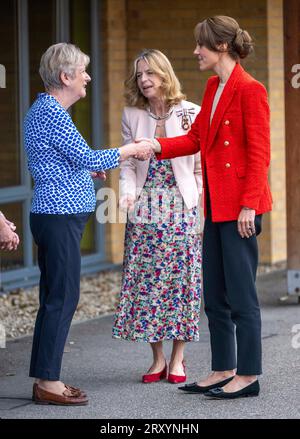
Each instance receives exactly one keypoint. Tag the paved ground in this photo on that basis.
(110, 372)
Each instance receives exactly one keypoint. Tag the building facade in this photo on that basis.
(113, 32)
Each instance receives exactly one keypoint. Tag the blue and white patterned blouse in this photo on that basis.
(60, 160)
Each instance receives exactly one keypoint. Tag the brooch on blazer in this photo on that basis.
(186, 119)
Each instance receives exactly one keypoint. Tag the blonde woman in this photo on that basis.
(160, 295)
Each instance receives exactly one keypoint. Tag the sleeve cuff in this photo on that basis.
(117, 157)
(157, 146)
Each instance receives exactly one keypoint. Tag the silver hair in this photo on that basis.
(61, 57)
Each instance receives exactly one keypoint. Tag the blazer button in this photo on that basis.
(226, 143)
(228, 165)
(227, 122)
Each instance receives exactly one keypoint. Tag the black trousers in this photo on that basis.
(58, 239)
(231, 304)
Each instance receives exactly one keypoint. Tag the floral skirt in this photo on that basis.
(161, 285)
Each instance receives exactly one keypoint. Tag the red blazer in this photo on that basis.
(235, 148)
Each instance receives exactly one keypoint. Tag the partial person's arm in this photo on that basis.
(128, 167)
(69, 142)
(9, 223)
(187, 144)
(9, 240)
(256, 115)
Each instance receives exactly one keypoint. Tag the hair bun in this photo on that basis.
(242, 43)
(239, 32)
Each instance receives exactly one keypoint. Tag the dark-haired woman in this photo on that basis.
(233, 133)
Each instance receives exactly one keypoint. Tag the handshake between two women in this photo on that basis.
(141, 149)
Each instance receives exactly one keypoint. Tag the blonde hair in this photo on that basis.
(221, 29)
(159, 64)
(58, 58)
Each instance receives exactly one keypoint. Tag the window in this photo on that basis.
(41, 33)
(9, 122)
(27, 28)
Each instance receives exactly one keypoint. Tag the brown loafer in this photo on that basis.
(75, 390)
(72, 389)
(44, 397)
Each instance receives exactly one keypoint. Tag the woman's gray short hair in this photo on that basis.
(61, 57)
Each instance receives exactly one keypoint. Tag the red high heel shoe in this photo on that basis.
(153, 377)
(176, 379)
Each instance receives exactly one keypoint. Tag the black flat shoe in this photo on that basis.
(194, 388)
(218, 393)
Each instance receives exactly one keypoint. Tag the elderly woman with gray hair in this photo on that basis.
(61, 162)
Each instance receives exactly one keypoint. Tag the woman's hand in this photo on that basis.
(9, 240)
(246, 225)
(10, 225)
(7, 222)
(155, 145)
(126, 203)
(142, 151)
(99, 174)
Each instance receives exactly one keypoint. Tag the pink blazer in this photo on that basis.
(137, 123)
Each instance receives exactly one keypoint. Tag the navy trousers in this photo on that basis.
(231, 304)
(58, 240)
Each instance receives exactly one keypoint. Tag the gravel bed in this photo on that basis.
(99, 295)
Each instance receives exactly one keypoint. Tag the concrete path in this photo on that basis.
(110, 371)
